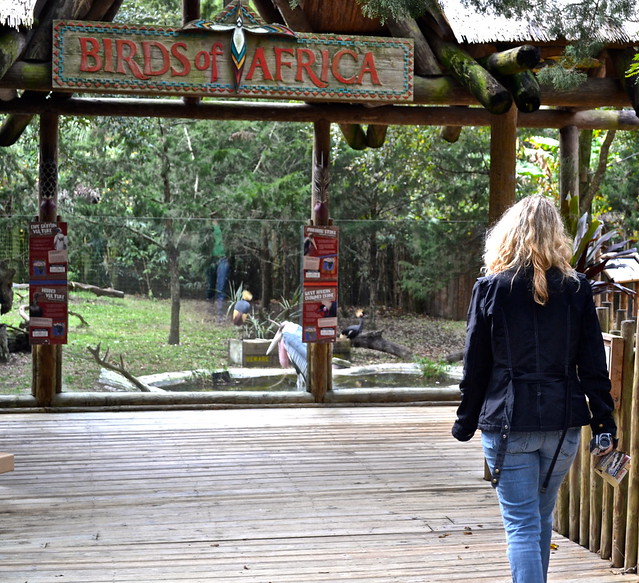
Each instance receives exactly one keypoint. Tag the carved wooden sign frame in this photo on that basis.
(210, 62)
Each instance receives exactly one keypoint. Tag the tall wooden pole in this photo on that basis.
(568, 165)
(320, 354)
(46, 358)
(503, 160)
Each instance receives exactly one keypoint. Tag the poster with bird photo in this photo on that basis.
(319, 298)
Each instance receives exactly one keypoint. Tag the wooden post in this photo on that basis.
(190, 12)
(568, 165)
(46, 358)
(584, 488)
(574, 477)
(632, 534)
(624, 421)
(503, 150)
(320, 354)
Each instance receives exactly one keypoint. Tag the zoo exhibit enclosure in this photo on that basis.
(449, 71)
(443, 73)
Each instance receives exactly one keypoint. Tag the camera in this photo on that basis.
(600, 443)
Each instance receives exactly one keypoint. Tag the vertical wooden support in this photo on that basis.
(632, 520)
(47, 359)
(574, 477)
(584, 488)
(190, 12)
(503, 160)
(568, 165)
(320, 354)
(623, 424)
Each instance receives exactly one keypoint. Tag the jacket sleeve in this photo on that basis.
(477, 367)
(592, 370)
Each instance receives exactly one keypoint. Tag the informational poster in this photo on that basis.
(320, 268)
(48, 283)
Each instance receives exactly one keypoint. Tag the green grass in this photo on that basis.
(137, 329)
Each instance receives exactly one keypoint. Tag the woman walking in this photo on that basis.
(534, 373)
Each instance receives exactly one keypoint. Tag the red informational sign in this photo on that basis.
(320, 268)
(48, 285)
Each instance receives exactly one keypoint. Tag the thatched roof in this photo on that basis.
(471, 27)
(15, 13)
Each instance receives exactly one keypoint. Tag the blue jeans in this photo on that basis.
(527, 512)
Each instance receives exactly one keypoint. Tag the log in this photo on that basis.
(622, 60)
(511, 61)
(12, 43)
(376, 135)
(354, 135)
(98, 291)
(473, 77)
(300, 112)
(17, 340)
(358, 139)
(6, 286)
(425, 60)
(374, 341)
(40, 45)
(13, 127)
(503, 164)
(4, 344)
(525, 90)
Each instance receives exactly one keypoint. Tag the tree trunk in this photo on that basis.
(173, 256)
(374, 341)
(568, 165)
(171, 248)
(266, 268)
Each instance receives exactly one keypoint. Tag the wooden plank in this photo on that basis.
(362, 495)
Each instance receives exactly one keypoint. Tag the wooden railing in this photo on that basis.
(589, 511)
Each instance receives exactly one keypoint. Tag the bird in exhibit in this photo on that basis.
(355, 329)
(291, 351)
(242, 308)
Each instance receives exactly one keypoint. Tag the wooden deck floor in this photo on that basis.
(371, 494)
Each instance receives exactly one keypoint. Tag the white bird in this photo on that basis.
(291, 351)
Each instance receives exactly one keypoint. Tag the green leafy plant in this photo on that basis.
(433, 370)
(593, 250)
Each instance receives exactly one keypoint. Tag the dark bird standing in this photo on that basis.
(355, 329)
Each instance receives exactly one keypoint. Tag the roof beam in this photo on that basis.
(337, 113)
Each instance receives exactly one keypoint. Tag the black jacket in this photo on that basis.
(536, 368)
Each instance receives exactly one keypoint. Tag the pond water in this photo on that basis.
(246, 379)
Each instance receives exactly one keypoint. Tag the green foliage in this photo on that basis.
(433, 371)
(593, 250)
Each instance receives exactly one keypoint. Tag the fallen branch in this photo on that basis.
(83, 322)
(374, 341)
(94, 289)
(103, 362)
(23, 312)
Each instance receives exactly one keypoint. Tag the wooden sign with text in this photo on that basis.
(111, 58)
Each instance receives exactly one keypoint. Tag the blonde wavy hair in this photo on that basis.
(530, 234)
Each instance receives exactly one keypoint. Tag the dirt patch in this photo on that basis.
(425, 336)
